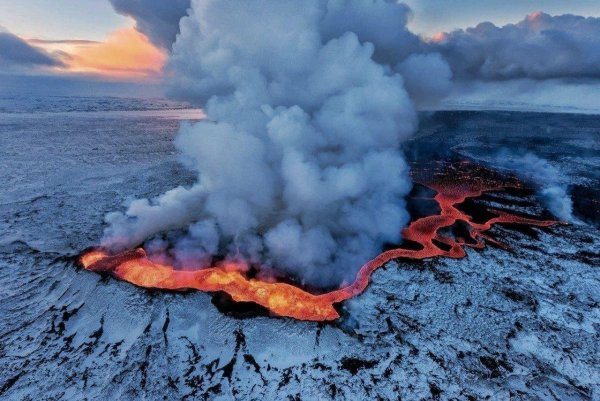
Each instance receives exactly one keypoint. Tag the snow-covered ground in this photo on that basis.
(500, 325)
(550, 96)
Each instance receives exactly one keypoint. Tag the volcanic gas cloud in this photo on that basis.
(453, 185)
(298, 162)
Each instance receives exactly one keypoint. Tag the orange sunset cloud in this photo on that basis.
(125, 54)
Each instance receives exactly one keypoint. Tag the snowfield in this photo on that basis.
(499, 325)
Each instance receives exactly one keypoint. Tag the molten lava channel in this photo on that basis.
(452, 187)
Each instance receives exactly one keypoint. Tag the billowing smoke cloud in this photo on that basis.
(298, 160)
(426, 92)
(15, 53)
(550, 183)
(539, 47)
(157, 19)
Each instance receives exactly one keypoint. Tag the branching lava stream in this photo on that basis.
(453, 184)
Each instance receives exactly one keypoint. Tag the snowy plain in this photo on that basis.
(498, 325)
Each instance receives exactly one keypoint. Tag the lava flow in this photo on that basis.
(453, 185)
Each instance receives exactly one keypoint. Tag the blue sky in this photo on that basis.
(95, 19)
(61, 19)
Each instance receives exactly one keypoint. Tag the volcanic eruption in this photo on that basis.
(299, 167)
(298, 162)
(452, 185)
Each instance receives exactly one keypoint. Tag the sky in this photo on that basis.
(61, 19)
(90, 38)
(432, 16)
(95, 19)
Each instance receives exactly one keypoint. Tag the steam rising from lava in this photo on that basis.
(298, 160)
(547, 178)
(452, 185)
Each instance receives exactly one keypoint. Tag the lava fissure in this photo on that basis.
(451, 189)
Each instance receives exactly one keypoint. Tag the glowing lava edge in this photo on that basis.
(452, 188)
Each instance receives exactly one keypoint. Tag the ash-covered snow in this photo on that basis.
(521, 324)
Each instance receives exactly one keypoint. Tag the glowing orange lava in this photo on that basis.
(452, 184)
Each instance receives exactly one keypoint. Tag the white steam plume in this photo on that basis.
(547, 179)
(298, 161)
